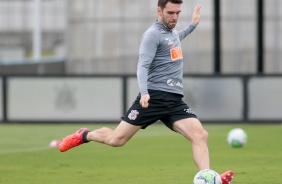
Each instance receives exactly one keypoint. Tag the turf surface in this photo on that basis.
(155, 155)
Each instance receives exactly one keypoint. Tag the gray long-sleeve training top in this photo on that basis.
(160, 65)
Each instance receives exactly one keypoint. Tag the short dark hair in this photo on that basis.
(162, 3)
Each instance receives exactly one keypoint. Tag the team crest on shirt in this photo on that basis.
(169, 41)
(133, 114)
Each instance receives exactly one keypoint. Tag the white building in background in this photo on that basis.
(17, 20)
(102, 36)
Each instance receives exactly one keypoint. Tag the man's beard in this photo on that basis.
(167, 24)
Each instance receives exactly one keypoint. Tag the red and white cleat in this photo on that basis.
(72, 140)
(227, 177)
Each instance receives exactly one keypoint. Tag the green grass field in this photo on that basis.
(155, 155)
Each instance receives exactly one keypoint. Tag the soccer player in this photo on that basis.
(160, 75)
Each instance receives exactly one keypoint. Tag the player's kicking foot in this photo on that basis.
(73, 140)
(227, 177)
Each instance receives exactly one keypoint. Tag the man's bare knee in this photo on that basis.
(204, 135)
(201, 136)
(116, 142)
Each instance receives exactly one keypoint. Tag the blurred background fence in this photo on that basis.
(101, 37)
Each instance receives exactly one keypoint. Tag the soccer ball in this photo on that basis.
(207, 176)
(54, 143)
(237, 138)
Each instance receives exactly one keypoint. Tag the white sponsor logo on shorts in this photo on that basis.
(189, 111)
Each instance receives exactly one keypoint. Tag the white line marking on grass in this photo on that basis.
(25, 150)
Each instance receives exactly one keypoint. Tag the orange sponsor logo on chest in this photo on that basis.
(176, 53)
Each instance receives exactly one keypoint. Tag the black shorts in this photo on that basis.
(164, 106)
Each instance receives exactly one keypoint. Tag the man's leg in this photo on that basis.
(118, 137)
(192, 129)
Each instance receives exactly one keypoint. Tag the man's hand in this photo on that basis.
(196, 15)
(144, 101)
